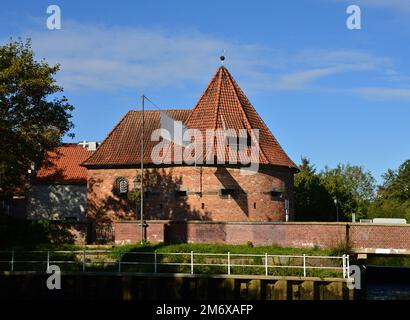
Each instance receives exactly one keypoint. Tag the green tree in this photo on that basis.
(33, 118)
(397, 183)
(312, 201)
(352, 187)
(393, 199)
(315, 193)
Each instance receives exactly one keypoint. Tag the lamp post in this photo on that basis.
(337, 209)
(286, 209)
(142, 172)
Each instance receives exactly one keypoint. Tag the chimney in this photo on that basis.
(89, 145)
(92, 146)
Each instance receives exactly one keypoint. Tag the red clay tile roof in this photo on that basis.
(63, 166)
(222, 99)
(122, 146)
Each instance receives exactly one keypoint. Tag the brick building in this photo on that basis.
(179, 192)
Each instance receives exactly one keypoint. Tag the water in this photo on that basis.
(388, 291)
(387, 283)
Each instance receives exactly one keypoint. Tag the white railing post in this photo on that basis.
(83, 260)
(192, 262)
(155, 261)
(348, 266)
(304, 265)
(266, 264)
(344, 265)
(48, 259)
(229, 263)
(12, 260)
(119, 262)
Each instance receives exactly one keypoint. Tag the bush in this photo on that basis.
(341, 249)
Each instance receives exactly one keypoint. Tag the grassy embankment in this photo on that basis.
(138, 258)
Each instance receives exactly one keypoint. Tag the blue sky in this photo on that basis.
(326, 92)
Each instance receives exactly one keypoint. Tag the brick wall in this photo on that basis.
(380, 236)
(294, 234)
(203, 201)
(287, 235)
(130, 232)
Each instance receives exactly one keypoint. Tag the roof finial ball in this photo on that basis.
(222, 58)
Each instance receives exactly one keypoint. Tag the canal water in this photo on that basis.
(386, 283)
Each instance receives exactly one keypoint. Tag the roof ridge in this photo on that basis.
(202, 95)
(218, 95)
(243, 111)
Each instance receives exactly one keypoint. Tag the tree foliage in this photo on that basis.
(312, 200)
(33, 118)
(352, 188)
(315, 193)
(393, 199)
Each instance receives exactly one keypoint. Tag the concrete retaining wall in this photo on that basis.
(172, 287)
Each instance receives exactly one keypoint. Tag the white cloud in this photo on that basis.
(300, 79)
(317, 64)
(111, 58)
(106, 58)
(384, 93)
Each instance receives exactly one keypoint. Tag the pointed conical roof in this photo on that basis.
(223, 105)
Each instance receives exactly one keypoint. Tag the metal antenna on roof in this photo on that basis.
(222, 57)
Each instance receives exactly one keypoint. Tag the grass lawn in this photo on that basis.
(218, 248)
(131, 261)
(183, 247)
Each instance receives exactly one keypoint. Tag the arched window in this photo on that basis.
(121, 185)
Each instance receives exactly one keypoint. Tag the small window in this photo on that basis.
(276, 195)
(181, 193)
(202, 206)
(228, 193)
(232, 142)
(121, 185)
(245, 142)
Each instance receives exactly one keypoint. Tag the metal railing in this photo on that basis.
(177, 262)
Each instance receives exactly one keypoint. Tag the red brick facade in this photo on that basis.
(178, 191)
(380, 236)
(201, 197)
